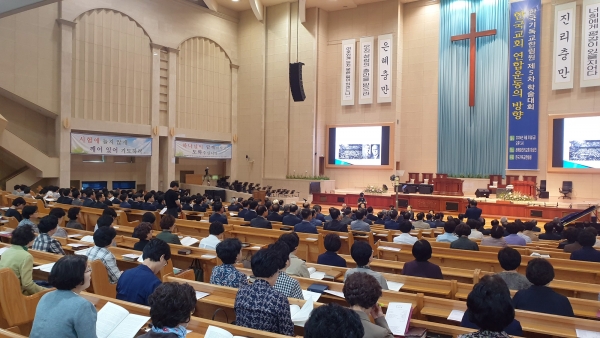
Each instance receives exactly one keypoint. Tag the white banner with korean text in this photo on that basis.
(348, 69)
(564, 45)
(202, 150)
(590, 74)
(366, 71)
(384, 72)
(113, 145)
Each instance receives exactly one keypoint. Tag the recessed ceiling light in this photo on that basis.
(235, 0)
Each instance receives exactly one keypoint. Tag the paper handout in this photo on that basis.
(89, 239)
(116, 322)
(217, 332)
(398, 317)
(300, 315)
(456, 315)
(311, 295)
(396, 286)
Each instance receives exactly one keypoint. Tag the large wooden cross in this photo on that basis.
(471, 36)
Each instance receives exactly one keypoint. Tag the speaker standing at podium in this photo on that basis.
(473, 212)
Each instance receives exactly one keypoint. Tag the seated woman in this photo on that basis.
(27, 213)
(74, 218)
(144, 232)
(285, 284)
(496, 237)
(19, 260)
(421, 267)
(570, 235)
(489, 309)
(362, 291)
(77, 316)
(332, 243)
(333, 321)
(463, 242)
(258, 305)
(587, 239)
(510, 260)
(539, 297)
(167, 224)
(103, 238)
(229, 252)
(171, 308)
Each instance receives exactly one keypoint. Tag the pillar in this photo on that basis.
(62, 123)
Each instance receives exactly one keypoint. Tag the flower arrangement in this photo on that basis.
(295, 176)
(371, 189)
(515, 197)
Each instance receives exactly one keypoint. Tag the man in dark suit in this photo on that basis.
(370, 215)
(438, 220)
(393, 224)
(292, 219)
(347, 217)
(234, 206)
(319, 215)
(473, 212)
(124, 204)
(99, 201)
(217, 215)
(305, 226)
(64, 196)
(88, 201)
(335, 224)
(251, 212)
(260, 221)
(136, 203)
(587, 239)
(244, 210)
(274, 216)
(148, 202)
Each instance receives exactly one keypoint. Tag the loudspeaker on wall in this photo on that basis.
(296, 85)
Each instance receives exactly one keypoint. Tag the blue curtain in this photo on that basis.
(472, 140)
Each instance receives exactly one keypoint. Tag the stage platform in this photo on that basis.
(542, 209)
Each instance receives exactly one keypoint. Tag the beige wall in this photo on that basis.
(30, 126)
(109, 171)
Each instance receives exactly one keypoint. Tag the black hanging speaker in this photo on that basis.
(296, 81)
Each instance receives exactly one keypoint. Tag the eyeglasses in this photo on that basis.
(88, 270)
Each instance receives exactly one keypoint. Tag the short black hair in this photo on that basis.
(361, 289)
(429, 217)
(261, 209)
(462, 230)
(265, 263)
(332, 242)
(473, 203)
(68, 272)
(421, 250)
(167, 222)
(512, 228)
(361, 253)
(489, 304)
(104, 236)
(172, 304)
(109, 212)
(420, 216)
(228, 249)
(149, 217)
(495, 222)
(586, 238)
(497, 232)
(461, 216)
(254, 204)
(17, 187)
(156, 248)
(216, 228)
(28, 210)
(142, 230)
(57, 212)
(333, 321)
(539, 271)
(283, 250)
(370, 209)
(245, 203)
(174, 184)
(549, 227)
(360, 214)
(148, 196)
(104, 221)
(291, 239)
(47, 223)
(405, 227)
(22, 235)
(73, 213)
(334, 213)
(509, 258)
(449, 227)
(473, 224)
(217, 206)
(393, 214)
(18, 201)
(27, 190)
(305, 213)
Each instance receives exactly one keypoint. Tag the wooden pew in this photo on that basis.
(346, 240)
(9, 334)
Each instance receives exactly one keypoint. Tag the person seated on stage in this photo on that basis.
(167, 224)
(362, 254)
(274, 216)
(258, 305)
(260, 221)
(19, 260)
(362, 293)
(314, 221)
(103, 238)
(171, 308)
(144, 232)
(60, 214)
(463, 242)
(473, 212)
(292, 217)
(550, 233)
(489, 309)
(215, 230)
(332, 243)
(475, 234)
(587, 239)
(333, 321)
(512, 238)
(421, 267)
(297, 266)
(17, 204)
(496, 237)
(306, 226)
(335, 224)
(229, 252)
(137, 284)
(217, 215)
(510, 260)
(44, 241)
(251, 214)
(448, 235)
(405, 237)
(361, 198)
(27, 213)
(360, 224)
(285, 284)
(539, 297)
(532, 235)
(392, 224)
(570, 235)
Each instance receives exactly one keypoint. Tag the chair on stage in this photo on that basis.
(427, 178)
(495, 183)
(413, 178)
(567, 188)
(542, 193)
(510, 179)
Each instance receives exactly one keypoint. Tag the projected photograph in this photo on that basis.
(581, 142)
(358, 151)
(359, 146)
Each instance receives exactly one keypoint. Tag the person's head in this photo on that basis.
(123, 197)
(361, 253)
(509, 258)
(495, 223)
(143, 231)
(99, 197)
(59, 213)
(504, 221)
(216, 229)
(18, 203)
(293, 208)
(149, 217)
(405, 227)
(539, 272)
(461, 217)
(174, 185)
(104, 221)
(571, 234)
(265, 265)
(462, 230)
(48, 225)
(73, 213)
(218, 207)
(104, 236)
(512, 228)
(275, 207)
(229, 250)
(332, 242)
(27, 191)
(529, 226)
(172, 304)
(361, 289)
(333, 321)
(421, 250)
(28, 211)
(156, 254)
(473, 203)
(334, 213)
(375, 150)
(449, 227)
(17, 187)
(254, 204)
(110, 212)
(262, 210)
(406, 216)
(394, 214)
(360, 214)
(347, 212)
(420, 216)
(490, 305)
(429, 217)
(22, 235)
(306, 214)
(245, 204)
(167, 222)
(369, 210)
(497, 232)
(586, 238)
(549, 227)
(71, 272)
(284, 253)
(149, 197)
(291, 239)
(473, 224)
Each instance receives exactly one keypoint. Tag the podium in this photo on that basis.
(524, 187)
(448, 186)
(259, 195)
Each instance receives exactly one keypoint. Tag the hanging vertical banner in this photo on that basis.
(590, 76)
(524, 53)
(564, 45)
(366, 71)
(348, 54)
(384, 80)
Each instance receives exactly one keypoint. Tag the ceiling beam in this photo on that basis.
(302, 10)
(212, 5)
(258, 9)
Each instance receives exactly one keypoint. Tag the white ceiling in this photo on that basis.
(328, 5)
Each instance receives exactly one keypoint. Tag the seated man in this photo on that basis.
(285, 284)
(215, 236)
(260, 221)
(335, 224)
(217, 215)
(297, 266)
(103, 238)
(474, 225)
(513, 238)
(60, 214)
(510, 260)
(27, 213)
(124, 204)
(448, 235)
(419, 223)
(314, 221)
(100, 199)
(360, 224)
(332, 243)
(292, 218)
(229, 252)
(549, 233)
(393, 224)
(251, 214)
(242, 213)
(405, 237)
(258, 305)
(44, 241)
(75, 218)
(587, 239)
(167, 224)
(274, 216)
(463, 242)
(496, 237)
(137, 284)
(305, 226)
(17, 204)
(362, 254)
(148, 202)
